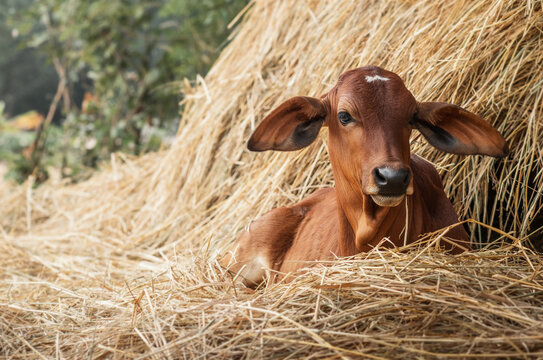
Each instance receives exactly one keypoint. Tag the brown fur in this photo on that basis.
(347, 219)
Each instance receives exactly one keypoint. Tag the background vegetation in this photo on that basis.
(103, 76)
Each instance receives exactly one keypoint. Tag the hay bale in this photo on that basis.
(122, 265)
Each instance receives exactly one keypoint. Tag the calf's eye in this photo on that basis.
(345, 118)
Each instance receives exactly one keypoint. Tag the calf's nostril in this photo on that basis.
(407, 178)
(380, 179)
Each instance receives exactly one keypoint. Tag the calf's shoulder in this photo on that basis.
(432, 205)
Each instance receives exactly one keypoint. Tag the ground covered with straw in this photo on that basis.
(124, 265)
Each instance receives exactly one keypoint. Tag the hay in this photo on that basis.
(486, 304)
(123, 265)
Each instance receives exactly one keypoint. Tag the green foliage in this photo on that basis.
(26, 81)
(130, 55)
(12, 144)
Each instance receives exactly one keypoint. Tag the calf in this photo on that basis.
(370, 115)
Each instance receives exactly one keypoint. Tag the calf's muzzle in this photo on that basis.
(391, 181)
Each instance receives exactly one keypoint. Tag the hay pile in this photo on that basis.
(123, 265)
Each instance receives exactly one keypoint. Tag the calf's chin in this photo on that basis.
(386, 200)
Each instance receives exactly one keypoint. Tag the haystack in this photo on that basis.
(124, 264)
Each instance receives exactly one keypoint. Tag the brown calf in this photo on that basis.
(370, 115)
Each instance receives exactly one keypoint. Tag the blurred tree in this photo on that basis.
(27, 82)
(132, 53)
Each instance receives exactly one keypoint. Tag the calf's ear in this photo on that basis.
(454, 130)
(293, 125)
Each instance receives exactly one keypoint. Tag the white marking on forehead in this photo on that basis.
(376, 77)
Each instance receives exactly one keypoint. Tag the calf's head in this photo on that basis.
(370, 115)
